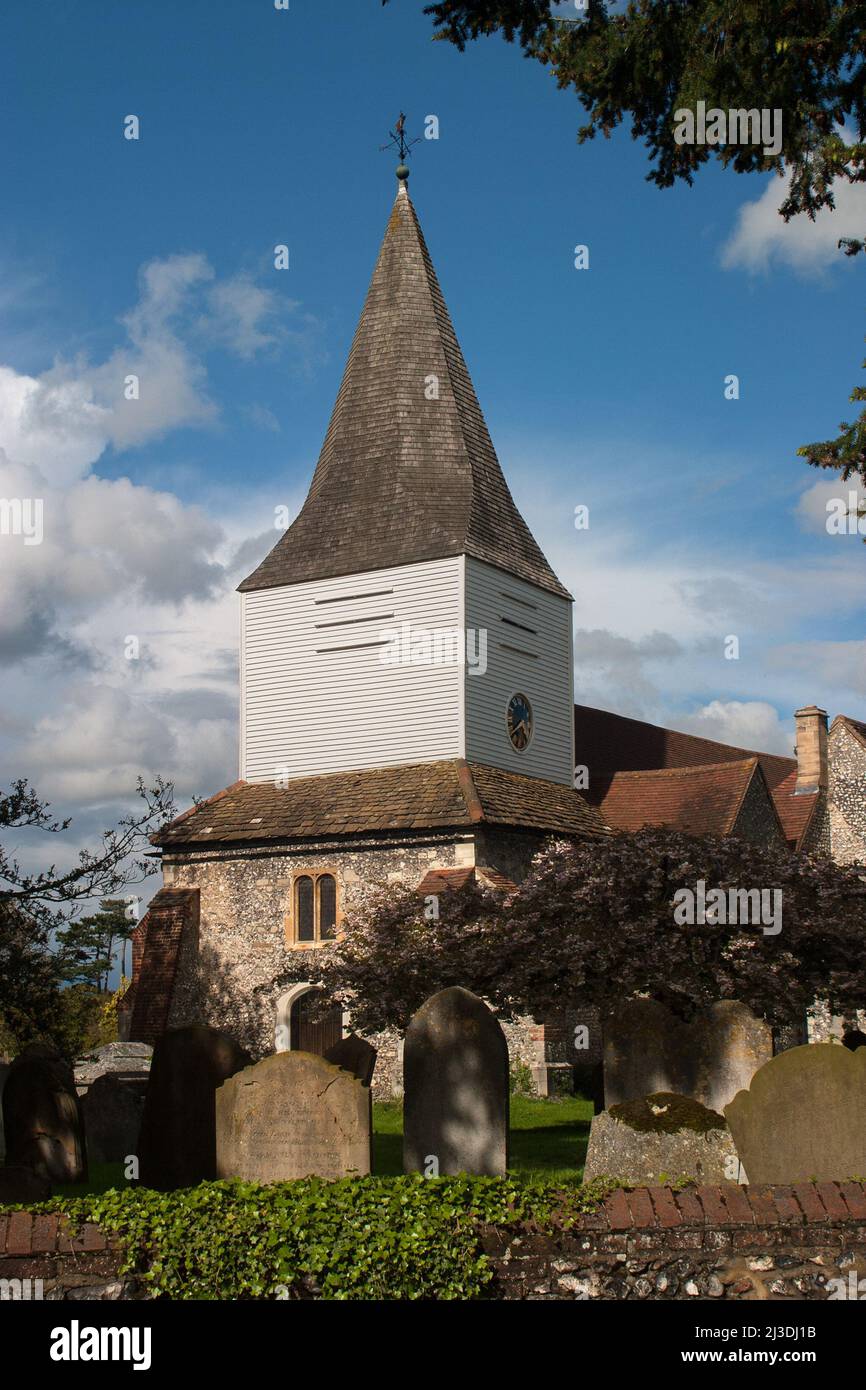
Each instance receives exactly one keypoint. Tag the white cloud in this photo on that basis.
(243, 316)
(120, 560)
(744, 723)
(761, 238)
(825, 499)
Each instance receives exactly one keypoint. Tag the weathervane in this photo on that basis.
(399, 142)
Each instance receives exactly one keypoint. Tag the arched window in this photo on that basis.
(326, 887)
(305, 925)
(315, 909)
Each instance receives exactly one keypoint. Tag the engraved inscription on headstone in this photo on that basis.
(293, 1115)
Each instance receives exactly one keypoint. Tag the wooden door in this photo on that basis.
(312, 1031)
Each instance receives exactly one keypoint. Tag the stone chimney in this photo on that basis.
(811, 749)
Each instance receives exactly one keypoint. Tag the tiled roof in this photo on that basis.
(404, 478)
(609, 743)
(704, 800)
(445, 880)
(415, 796)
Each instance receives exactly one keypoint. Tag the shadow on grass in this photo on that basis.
(548, 1138)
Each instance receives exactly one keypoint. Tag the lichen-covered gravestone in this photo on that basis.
(659, 1137)
(177, 1143)
(803, 1117)
(293, 1115)
(648, 1049)
(42, 1120)
(455, 1079)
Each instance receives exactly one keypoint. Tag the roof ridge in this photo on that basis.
(685, 733)
(688, 769)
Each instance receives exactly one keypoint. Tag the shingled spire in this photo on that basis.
(407, 472)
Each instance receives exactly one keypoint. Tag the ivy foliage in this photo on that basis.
(358, 1238)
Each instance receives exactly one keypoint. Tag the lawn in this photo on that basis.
(548, 1140)
(548, 1137)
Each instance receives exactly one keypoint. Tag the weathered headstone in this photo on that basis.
(647, 1049)
(293, 1115)
(803, 1117)
(662, 1136)
(177, 1142)
(113, 1109)
(356, 1055)
(455, 1076)
(42, 1120)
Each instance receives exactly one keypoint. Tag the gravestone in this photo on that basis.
(293, 1115)
(42, 1120)
(177, 1141)
(125, 1059)
(455, 1078)
(648, 1049)
(356, 1055)
(647, 1142)
(113, 1108)
(803, 1117)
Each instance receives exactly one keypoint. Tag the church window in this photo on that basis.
(304, 915)
(315, 909)
(326, 887)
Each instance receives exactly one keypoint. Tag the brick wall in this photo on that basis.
(702, 1243)
(735, 1243)
(52, 1263)
(156, 945)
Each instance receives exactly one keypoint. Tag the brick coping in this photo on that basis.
(23, 1233)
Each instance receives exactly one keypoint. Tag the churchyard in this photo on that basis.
(211, 1175)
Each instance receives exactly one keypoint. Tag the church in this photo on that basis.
(407, 710)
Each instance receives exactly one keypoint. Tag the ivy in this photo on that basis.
(358, 1238)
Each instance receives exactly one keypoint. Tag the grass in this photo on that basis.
(548, 1140)
(548, 1137)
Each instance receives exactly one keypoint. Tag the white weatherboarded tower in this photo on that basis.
(407, 615)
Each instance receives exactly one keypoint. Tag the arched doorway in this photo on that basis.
(310, 1030)
(301, 1027)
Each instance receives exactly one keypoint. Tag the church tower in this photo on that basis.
(406, 693)
(407, 615)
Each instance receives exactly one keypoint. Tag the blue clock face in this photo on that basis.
(519, 721)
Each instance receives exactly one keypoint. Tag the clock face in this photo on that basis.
(519, 721)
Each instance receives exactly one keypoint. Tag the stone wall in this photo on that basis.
(847, 795)
(756, 819)
(226, 966)
(226, 972)
(735, 1243)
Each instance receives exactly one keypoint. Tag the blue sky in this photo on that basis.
(602, 387)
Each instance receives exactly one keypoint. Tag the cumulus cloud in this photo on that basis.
(761, 238)
(62, 421)
(830, 501)
(744, 723)
(118, 631)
